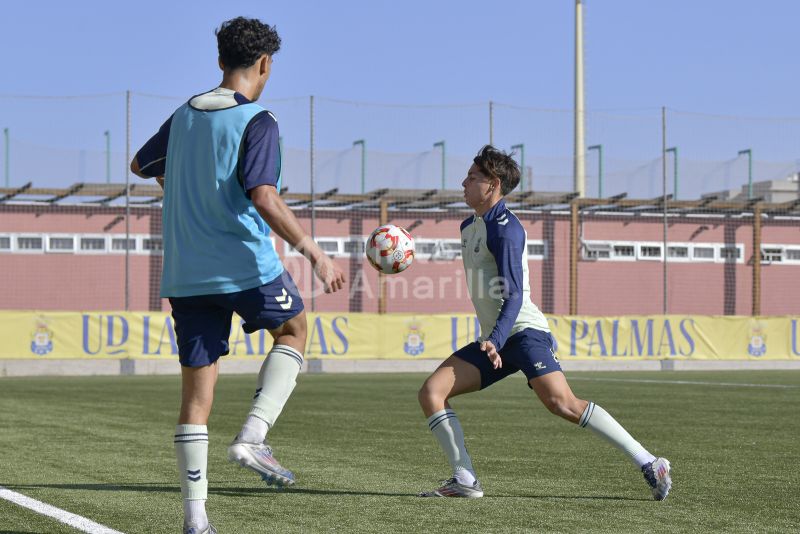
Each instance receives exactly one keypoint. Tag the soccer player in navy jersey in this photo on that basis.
(515, 336)
(218, 159)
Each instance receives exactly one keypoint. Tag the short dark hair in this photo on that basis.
(497, 164)
(241, 41)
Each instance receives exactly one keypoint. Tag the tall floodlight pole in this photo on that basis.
(674, 151)
(127, 201)
(749, 152)
(521, 148)
(363, 144)
(599, 149)
(8, 155)
(579, 154)
(440, 144)
(491, 122)
(108, 156)
(311, 156)
(665, 225)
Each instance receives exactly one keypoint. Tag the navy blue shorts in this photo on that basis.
(531, 351)
(203, 322)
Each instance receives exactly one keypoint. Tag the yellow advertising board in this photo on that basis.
(101, 335)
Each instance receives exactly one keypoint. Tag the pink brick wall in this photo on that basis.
(55, 281)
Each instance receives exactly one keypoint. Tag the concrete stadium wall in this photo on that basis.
(127, 367)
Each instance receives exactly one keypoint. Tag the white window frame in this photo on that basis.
(421, 242)
(718, 253)
(10, 248)
(784, 256)
(79, 250)
(610, 246)
(140, 239)
(543, 256)
(656, 244)
(712, 246)
(689, 251)
(28, 235)
(597, 246)
(110, 244)
(50, 250)
(354, 239)
(616, 257)
(766, 258)
(452, 251)
(791, 261)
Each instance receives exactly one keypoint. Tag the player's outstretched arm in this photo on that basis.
(283, 222)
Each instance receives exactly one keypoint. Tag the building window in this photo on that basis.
(423, 248)
(5, 242)
(354, 247)
(446, 250)
(678, 252)
(152, 244)
(650, 251)
(703, 253)
(771, 254)
(61, 244)
(93, 244)
(120, 243)
(29, 243)
(792, 254)
(329, 246)
(596, 251)
(729, 253)
(537, 250)
(624, 251)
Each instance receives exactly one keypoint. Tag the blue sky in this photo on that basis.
(711, 56)
(730, 57)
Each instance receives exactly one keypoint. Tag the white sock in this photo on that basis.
(191, 449)
(596, 419)
(276, 381)
(445, 426)
(254, 430)
(194, 512)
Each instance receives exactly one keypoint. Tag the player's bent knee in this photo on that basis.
(428, 395)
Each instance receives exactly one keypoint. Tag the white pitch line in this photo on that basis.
(76, 521)
(690, 382)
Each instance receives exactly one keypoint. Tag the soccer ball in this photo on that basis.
(390, 249)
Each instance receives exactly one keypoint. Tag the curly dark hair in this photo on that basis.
(497, 164)
(241, 41)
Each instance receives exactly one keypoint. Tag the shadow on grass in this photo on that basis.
(175, 488)
(149, 486)
(244, 492)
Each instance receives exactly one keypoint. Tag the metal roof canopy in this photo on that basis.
(404, 200)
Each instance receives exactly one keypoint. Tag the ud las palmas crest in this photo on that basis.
(758, 341)
(42, 338)
(415, 339)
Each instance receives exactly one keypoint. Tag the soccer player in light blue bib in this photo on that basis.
(515, 336)
(218, 159)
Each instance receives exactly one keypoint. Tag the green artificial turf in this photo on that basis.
(359, 445)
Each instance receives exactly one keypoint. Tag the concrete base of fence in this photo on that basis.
(29, 367)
